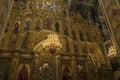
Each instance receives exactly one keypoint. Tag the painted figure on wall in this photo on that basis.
(66, 73)
(81, 36)
(30, 5)
(66, 31)
(67, 48)
(13, 41)
(74, 35)
(37, 25)
(75, 48)
(48, 5)
(46, 72)
(16, 27)
(57, 26)
(28, 24)
(48, 24)
(40, 5)
(7, 26)
(81, 73)
(23, 73)
(25, 41)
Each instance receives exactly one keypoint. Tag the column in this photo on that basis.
(74, 68)
(58, 74)
(18, 43)
(86, 67)
(13, 66)
(7, 36)
(34, 69)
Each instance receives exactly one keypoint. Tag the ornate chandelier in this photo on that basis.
(112, 52)
(52, 44)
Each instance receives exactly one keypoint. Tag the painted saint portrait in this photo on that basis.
(81, 72)
(27, 26)
(23, 72)
(16, 27)
(38, 25)
(66, 73)
(46, 72)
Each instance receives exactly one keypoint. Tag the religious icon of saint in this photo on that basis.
(28, 24)
(66, 73)
(16, 28)
(39, 5)
(23, 73)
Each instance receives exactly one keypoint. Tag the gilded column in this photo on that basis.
(7, 36)
(13, 66)
(34, 70)
(20, 35)
(87, 68)
(58, 74)
(74, 69)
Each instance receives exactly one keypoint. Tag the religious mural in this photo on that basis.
(65, 30)
(25, 40)
(30, 5)
(39, 5)
(7, 26)
(38, 24)
(13, 41)
(48, 5)
(57, 26)
(66, 73)
(81, 36)
(23, 72)
(75, 48)
(46, 72)
(74, 35)
(81, 72)
(48, 23)
(28, 25)
(15, 30)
